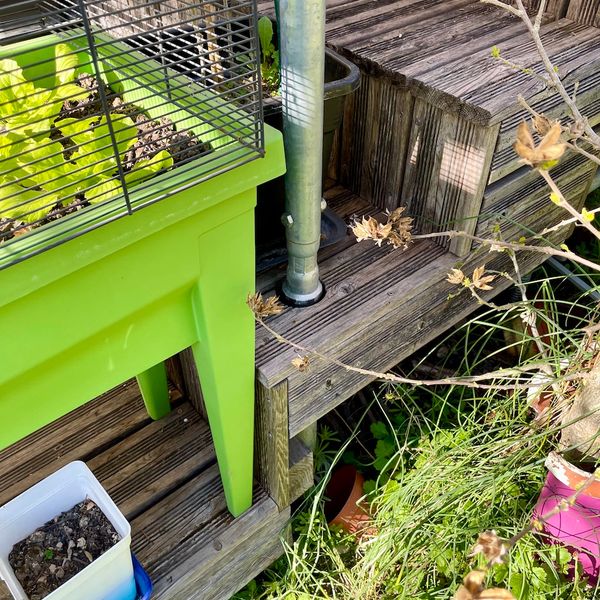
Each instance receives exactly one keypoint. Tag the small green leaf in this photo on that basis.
(587, 215)
(66, 63)
(145, 169)
(554, 197)
(495, 52)
(103, 191)
(265, 35)
(379, 430)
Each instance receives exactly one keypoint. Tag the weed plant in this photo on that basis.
(445, 464)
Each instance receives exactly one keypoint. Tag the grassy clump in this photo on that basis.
(445, 465)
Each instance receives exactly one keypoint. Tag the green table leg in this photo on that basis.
(224, 355)
(155, 390)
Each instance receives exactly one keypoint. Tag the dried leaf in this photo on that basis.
(472, 589)
(462, 593)
(492, 547)
(264, 308)
(543, 156)
(88, 555)
(542, 124)
(302, 363)
(456, 276)
(21, 231)
(473, 582)
(401, 234)
(481, 281)
(396, 231)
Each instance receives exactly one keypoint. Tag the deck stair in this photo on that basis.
(431, 128)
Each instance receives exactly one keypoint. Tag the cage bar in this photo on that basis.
(107, 106)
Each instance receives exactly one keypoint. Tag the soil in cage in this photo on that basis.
(152, 137)
(61, 548)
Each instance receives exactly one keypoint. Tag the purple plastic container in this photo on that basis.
(577, 528)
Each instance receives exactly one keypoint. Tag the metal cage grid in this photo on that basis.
(107, 106)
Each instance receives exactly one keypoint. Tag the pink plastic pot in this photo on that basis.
(578, 527)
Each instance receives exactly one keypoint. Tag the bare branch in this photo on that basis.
(473, 381)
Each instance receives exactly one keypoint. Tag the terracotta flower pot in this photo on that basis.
(343, 492)
(577, 527)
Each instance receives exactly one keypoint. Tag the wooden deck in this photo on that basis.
(430, 128)
(164, 477)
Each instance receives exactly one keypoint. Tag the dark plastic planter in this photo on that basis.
(341, 78)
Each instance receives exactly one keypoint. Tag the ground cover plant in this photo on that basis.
(445, 464)
(58, 152)
(269, 64)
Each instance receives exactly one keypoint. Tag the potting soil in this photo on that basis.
(61, 548)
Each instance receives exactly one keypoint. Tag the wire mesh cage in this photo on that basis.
(107, 106)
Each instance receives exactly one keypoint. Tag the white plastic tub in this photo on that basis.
(110, 576)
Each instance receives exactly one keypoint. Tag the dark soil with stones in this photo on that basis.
(152, 137)
(61, 548)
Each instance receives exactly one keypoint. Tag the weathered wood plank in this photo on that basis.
(177, 447)
(395, 336)
(360, 282)
(520, 204)
(272, 443)
(373, 141)
(446, 172)
(505, 160)
(492, 97)
(585, 11)
(407, 47)
(191, 381)
(199, 539)
(80, 434)
(302, 473)
(241, 564)
(557, 8)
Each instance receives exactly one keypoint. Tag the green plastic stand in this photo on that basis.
(114, 303)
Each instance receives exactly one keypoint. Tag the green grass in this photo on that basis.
(446, 464)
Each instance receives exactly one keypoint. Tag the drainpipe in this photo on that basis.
(302, 60)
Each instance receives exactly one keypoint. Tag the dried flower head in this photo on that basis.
(264, 308)
(302, 363)
(543, 124)
(456, 277)
(371, 229)
(401, 234)
(473, 589)
(396, 230)
(482, 281)
(492, 547)
(546, 154)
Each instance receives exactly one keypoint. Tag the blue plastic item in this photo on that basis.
(142, 580)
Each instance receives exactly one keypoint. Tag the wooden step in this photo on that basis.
(381, 305)
(79, 435)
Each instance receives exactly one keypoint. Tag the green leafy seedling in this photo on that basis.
(269, 65)
(29, 110)
(38, 172)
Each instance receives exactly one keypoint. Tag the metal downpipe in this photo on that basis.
(302, 61)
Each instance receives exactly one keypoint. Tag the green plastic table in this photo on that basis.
(114, 303)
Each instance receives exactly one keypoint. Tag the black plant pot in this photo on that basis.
(341, 78)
